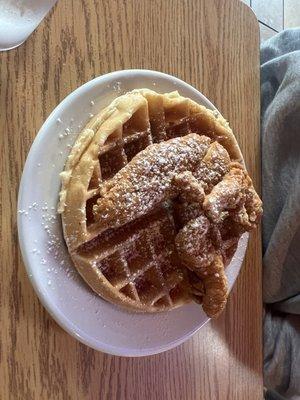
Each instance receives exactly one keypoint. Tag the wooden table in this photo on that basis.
(212, 44)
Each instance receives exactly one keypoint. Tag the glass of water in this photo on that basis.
(19, 18)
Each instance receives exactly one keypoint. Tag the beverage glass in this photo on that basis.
(19, 18)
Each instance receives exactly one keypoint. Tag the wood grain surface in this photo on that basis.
(212, 44)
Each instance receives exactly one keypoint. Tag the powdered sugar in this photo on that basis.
(51, 254)
(147, 180)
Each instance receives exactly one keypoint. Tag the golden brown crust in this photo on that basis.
(147, 180)
(197, 251)
(234, 196)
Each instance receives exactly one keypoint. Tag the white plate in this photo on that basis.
(67, 298)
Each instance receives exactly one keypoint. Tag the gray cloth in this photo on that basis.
(280, 90)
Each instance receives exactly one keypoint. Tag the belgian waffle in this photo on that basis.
(133, 264)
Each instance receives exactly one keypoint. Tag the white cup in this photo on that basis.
(19, 18)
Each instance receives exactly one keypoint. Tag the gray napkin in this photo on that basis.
(280, 126)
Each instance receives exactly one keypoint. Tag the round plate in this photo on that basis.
(67, 298)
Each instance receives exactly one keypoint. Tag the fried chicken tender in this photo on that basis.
(234, 196)
(197, 252)
(155, 175)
